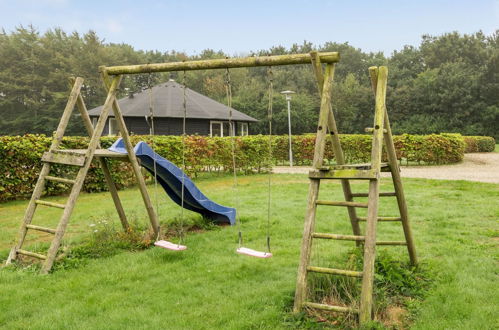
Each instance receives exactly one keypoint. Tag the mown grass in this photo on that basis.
(209, 286)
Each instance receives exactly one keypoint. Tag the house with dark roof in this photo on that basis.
(204, 116)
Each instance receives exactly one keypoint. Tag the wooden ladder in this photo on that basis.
(345, 172)
(81, 159)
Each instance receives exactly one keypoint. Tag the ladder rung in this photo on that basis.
(333, 271)
(381, 219)
(383, 194)
(339, 237)
(31, 254)
(331, 308)
(66, 158)
(333, 203)
(47, 230)
(345, 173)
(60, 206)
(57, 179)
(391, 243)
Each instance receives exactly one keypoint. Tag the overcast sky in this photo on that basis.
(237, 27)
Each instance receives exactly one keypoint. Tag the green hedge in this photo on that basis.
(20, 156)
(20, 165)
(479, 144)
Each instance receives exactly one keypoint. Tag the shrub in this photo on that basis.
(479, 144)
(20, 156)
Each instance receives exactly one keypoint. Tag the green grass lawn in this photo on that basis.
(209, 286)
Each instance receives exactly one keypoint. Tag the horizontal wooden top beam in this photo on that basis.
(239, 62)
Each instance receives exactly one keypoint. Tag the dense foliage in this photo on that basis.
(447, 84)
(20, 156)
(479, 144)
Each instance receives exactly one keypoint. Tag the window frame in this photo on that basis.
(222, 131)
(111, 126)
(244, 131)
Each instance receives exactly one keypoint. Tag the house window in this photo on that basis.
(243, 129)
(94, 122)
(113, 127)
(220, 128)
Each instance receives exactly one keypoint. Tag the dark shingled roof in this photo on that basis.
(168, 101)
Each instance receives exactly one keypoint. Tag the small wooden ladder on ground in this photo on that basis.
(81, 159)
(381, 132)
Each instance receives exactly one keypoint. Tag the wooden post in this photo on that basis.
(103, 164)
(366, 298)
(40, 184)
(320, 139)
(308, 229)
(334, 137)
(396, 178)
(133, 159)
(320, 142)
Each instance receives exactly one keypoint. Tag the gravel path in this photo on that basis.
(481, 167)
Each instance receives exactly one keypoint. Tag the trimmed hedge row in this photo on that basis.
(479, 144)
(20, 165)
(20, 156)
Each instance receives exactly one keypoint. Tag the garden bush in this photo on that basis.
(479, 144)
(20, 156)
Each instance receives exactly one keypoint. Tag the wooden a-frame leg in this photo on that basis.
(301, 280)
(133, 159)
(114, 194)
(40, 185)
(366, 298)
(333, 137)
(395, 173)
(80, 177)
(82, 108)
(320, 143)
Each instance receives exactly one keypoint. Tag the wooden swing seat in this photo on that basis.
(253, 253)
(170, 246)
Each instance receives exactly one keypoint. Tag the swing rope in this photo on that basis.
(228, 91)
(162, 243)
(270, 75)
(184, 119)
(152, 134)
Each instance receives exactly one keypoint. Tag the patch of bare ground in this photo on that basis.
(480, 167)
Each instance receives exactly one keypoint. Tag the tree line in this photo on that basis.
(449, 83)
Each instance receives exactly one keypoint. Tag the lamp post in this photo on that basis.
(287, 94)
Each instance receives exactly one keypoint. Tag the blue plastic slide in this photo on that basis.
(169, 177)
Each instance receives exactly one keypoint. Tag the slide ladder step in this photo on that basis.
(331, 308)
(381, 219)
(333, 271)
(32, 254)
(39, 228)
(383, 194)
(40, 202)
(341, 203)
(58, 179)
(64, 157)
(339, 237)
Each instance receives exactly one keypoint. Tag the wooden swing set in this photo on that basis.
(326, 130)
